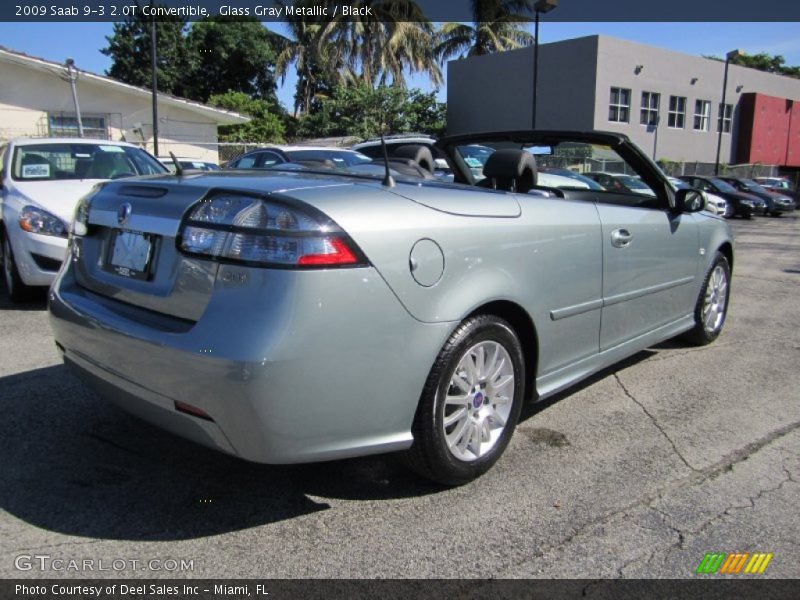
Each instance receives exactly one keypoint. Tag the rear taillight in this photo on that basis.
(236, 227)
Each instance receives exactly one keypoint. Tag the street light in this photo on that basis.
(542, 6)
(721, 123)
(72, 77)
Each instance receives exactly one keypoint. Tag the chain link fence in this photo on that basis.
(673, 168)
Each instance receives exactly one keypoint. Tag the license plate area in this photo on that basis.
(130, 254)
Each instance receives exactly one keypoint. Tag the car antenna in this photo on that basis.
(178, 167)
(388, 180)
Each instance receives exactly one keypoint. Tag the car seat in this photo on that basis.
(510, 170)
(416, 153)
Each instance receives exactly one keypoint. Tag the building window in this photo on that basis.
(725, 119)
(619, 107)
(677, 112)
(66, 125)
(702, 113)
(650, 102)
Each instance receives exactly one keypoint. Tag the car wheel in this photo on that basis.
(17, 290)
(712, 303)
(470, 404)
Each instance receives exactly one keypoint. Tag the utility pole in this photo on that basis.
(72, 77)
(154, 69)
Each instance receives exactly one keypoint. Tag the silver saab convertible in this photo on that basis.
(303, 315)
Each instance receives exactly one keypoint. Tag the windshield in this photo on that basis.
(753, 186)
(340, 158)
(58, 161)
(722, 186)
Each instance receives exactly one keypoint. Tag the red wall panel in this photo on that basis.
(769, 130)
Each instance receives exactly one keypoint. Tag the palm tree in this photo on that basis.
(394, 39)
(497, 26)
(307, 51)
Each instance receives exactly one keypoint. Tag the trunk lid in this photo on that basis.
(135, 259)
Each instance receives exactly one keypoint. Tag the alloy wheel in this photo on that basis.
(715, 300)
(478, 402)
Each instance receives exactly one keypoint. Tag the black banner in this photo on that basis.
(433, 10)
(405, 589)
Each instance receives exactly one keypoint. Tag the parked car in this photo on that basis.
(294, 315)
(716, 205)
(780, 185)
(743, 205)
(620, 182)
(313, 156)
(188, 163)
(776, 204)
(41, 181)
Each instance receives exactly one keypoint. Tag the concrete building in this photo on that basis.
(599, 82)
(35, 100)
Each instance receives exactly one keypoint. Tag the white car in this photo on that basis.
(41, 181)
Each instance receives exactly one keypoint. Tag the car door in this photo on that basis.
(650, 259)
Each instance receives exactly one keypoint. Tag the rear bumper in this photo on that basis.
(291, 366)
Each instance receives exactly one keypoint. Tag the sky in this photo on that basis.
(83, 41)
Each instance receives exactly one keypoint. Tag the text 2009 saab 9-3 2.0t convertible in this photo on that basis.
(298, 315)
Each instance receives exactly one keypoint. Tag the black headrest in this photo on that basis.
(510, 164)
(418, 153)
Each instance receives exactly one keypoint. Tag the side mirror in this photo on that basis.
(689, 200)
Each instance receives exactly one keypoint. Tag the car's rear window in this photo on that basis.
(48, 161)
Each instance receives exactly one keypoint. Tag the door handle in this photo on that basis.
(621, 238)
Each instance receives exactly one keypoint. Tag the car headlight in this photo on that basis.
(250, 230)
(36, 220)
(748, 203)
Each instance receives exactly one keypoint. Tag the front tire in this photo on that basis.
(17, 290)
(712, 303)
(470, 403)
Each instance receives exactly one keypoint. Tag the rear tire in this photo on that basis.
(17, 290)
(470, 403)
(711, 308)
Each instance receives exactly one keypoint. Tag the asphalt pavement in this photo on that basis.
(638, 472)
